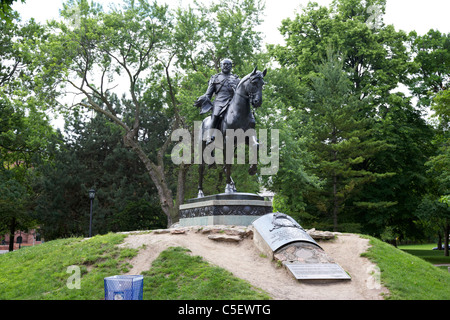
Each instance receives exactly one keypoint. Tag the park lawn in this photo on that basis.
(176, 275)
(426, 252)
(41, 272)
(407, 276)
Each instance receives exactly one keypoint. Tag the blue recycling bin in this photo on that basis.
(124, 287)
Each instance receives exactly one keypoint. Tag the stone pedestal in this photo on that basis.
(237, 208)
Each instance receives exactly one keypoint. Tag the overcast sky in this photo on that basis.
(407, 15)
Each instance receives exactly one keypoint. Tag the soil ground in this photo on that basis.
(245, 261)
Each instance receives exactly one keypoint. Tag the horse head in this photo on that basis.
(253, 84)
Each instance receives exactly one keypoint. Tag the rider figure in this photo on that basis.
(223, 86)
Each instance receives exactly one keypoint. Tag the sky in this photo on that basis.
(407, 15)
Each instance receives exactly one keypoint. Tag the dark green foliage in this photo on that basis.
(24, 127)
(365, 142)
(374, 59)
(94, 156)
(409, 138)
(140, 215)
(355, 153)
(341, 140)
(431, 69)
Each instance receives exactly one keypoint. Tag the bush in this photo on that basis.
(140, 215)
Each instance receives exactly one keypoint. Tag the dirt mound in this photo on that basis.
(244, 260)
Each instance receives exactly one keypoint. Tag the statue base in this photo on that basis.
(236, 208)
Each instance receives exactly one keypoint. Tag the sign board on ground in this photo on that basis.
(317, 271)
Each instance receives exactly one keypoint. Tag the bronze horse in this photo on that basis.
(238, 115)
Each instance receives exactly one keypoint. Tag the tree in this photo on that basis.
(14, 205)
(284, 96)
(441, 107)
(6, 12)
(24, 129)
(410, 138)
(23, 147)
(375, 58)
(341, 139)
(376, 61)
(231, 33)
(146, 216)
(435, 217)
(439, 170)
(141, 44)
(132, 44)
(430, 84)
(431, 68)
(93, 154)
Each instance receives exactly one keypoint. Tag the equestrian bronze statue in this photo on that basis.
(230, 110)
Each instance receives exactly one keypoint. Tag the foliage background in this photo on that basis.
(356, 153)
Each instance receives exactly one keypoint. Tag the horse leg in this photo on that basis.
(201, 169)
(229, 188)
(253, 145)
(233, 185)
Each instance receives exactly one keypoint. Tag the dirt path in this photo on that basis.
(244, 260)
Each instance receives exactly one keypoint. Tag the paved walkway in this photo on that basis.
(442, 265)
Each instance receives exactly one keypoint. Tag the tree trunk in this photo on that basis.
(439, 244)
(183, 169)
(335, 205)
(394, 242)
(156, 172)
(12, 231)
(446, 234)
(165, 194)
(335, 185)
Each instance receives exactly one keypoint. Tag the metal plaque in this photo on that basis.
(279, 229)
(317, 271)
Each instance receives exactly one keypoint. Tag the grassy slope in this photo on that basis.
(408, 277)
(176, 275)
(41, 273)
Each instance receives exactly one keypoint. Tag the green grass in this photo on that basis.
(425, 252)
(41, 272)
(406, 276)
(176, 275)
